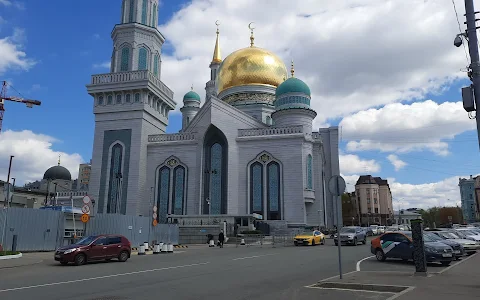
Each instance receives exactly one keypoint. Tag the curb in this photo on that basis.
(10, 256)
(180, 246)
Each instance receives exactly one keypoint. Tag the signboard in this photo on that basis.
(86, 200)
(155, 222)
(86, 209)
(154, 215)
(85, 218)
(336, 185)
(154, 208)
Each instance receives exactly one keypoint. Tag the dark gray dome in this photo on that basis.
(57, 172)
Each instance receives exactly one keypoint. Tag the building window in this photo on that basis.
(100, 100)
(119, 99)
(127, 98)
(125, 59)
(309, 172)
(123, 11)
(273, 191)
(374, 200)
(155, 65)
(376, 210)
(142, 59)
(132, 11)
(369, 210)
(109, 99)
(144, 12)
(256, 190)
(115, 179)
(137, 97)
(154, 17)
(216, 178)
(178, 190)
(188, 120)
(163, 194)
(368, 201)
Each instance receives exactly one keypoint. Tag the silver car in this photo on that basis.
(351, 235)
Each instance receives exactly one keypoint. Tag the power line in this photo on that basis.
(460, 31)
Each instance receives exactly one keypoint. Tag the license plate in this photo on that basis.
(447, 255)
(57, 255)
(456, 251)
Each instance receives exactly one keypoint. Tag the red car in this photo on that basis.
(95, 248)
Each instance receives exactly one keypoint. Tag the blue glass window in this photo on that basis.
(100, 100)
(137, 97)
(115, 180)
(109, 99)
(256, 188)
(309, 172)
(163, 194)
(142, 59)
(216, 179)
(178, 190)
(119, 99)
(155, 65)
(127, 98)
(273, 190)
(132, 10)
(154, 17)
(125, 59)
(144, 12)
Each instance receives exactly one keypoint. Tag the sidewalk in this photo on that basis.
(27, 259)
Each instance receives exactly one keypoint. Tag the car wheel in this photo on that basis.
(364, 241)
(80, 259)
(355, 242)
(446, 263)
(64, 263)
(123, 256)
(313, 242)
(336, 243)
(380, 255)
(323, 241)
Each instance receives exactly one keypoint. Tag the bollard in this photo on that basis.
(141, 249)
(418, 248)
(242, 242)
(212, 243)
(146, 246)
(170, 248)
(14, 243)
(164, 248)
(156, 249)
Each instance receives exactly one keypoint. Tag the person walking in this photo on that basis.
(221, 238)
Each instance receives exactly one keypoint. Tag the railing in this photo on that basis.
(171, 137)
(270, 131)
(131, 76)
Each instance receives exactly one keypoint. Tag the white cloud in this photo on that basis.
(17, 4)
(34, 154)
(13, 57)
(104, 65)
(406, 127)
(338, 47)
(351, 164)
(396, 162)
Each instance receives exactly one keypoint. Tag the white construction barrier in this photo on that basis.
(170, 248)
(156, 249)
(242, 242)
(141, 250)
(146, 246)
(212, 243)
(164, 248)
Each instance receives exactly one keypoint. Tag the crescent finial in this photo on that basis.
(217, 22)
(251, 27)
(252, 38)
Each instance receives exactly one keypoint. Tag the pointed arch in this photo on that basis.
(125, 58)
(115, 167)
(154, 15)
(215, 171)
(142, 58)
(309, 169)
(155, 64)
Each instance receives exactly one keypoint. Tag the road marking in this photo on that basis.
(360, 261)
(463, 260)
(344, 289)
(100, 277)
(401, 293)
(256, 256)
(337, 276)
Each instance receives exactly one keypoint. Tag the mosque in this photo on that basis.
(248, 149)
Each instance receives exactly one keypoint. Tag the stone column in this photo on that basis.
(418, 248)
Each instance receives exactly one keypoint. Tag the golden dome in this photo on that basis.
(251, 66)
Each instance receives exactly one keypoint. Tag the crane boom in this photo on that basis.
(3, 97)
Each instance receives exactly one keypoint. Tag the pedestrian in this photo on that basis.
(221, 238)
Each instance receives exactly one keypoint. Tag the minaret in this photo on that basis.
(191, 105)
(129, 104)
(211, 88)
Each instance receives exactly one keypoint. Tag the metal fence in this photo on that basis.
(137, 229)
(35, 229)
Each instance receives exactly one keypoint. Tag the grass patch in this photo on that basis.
(5, 253)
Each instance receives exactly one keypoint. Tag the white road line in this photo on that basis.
(463, 260)
(349, 290)
(99, 277)
(360, 261)
(256, 256)
(401, 293)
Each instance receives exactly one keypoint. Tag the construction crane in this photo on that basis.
(3, 97)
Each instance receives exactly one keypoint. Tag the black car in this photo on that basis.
(458, 250)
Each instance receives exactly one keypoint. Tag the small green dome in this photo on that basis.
(292, 85)
(191, 96)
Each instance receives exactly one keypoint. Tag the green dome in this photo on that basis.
(191, 96)
(292, 85)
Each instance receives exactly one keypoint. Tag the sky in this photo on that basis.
(386, 72)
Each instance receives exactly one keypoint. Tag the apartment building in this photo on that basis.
(374, 200)
(468, 198)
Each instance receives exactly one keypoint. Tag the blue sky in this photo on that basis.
(64, 45)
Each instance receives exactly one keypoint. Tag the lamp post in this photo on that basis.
(13, 189)
(208, 203)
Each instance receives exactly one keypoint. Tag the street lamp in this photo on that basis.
(208, 203)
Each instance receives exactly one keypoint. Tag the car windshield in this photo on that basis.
(307, 233)
(451, 235)
(430, 238)
(348, 230)
(86, 240)
(467, 232)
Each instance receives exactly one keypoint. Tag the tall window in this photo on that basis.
(309, 172)
(142, 59)
(178, 190)
(123, 11)
(155, 65)
(115, 180)
(154, 17)
(256, 191)
(273, 191)
(132, 11)
(125, 58)
(144, 12)
(216, 179)
(163, 194)
(171, 193)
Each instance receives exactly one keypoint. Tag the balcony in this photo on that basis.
(270, 131)
(175, 137)
(128, 77)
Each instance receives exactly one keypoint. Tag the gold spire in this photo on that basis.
(59, 159)
(217, 57)
(252, 38)
(292, 70)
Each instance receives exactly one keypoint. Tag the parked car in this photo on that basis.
(351, 235)
(374, 229)
(469, 245)
(381, 229)
(399, 244)
(311, 238)
(95, 248)
(368, 231)
(468, 234)
(458, 250)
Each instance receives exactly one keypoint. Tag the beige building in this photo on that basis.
(84, 171)
(22, 197)
(374, 200)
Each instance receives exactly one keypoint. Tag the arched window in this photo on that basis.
(119, 99)
(273, 191)
(132, 12)
(216, 178)
(144, 12)
(268, 120)
(137, 97)
(123, 11)
(154, 16)
(256, 190)
(142, 59)
(155, 65)
(110, 99)
(125, 59)
(100, 100)
(309, 172)
(163, 193)
(188, 120)
(127, 98)
(178, 190)
(115, 179)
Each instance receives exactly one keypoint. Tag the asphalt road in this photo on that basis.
(193, 273)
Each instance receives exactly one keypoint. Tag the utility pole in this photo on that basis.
(471, 94)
